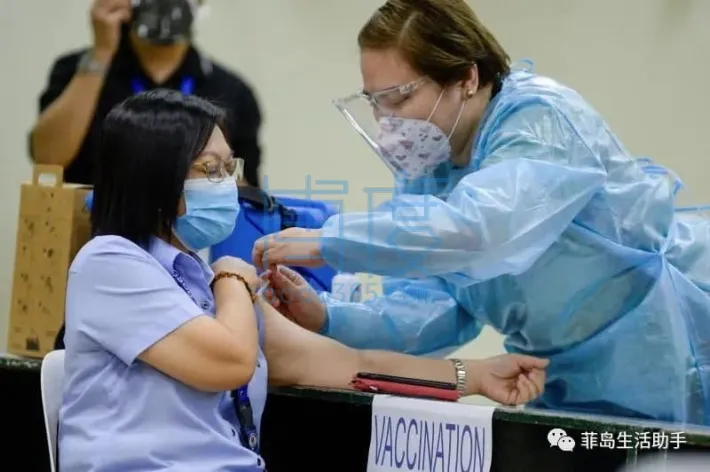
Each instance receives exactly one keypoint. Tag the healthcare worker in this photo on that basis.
(517, 207)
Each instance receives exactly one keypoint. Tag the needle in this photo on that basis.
(262, 289)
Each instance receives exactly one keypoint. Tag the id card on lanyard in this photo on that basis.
(187, 86)
(240, 397)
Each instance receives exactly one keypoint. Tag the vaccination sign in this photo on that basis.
(423, 435)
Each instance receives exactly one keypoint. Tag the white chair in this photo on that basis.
(51, 380)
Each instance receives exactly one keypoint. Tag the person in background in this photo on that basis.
(137, 46)
(516, 207)
(157, 340)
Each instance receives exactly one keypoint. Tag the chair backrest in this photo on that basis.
(51, 383)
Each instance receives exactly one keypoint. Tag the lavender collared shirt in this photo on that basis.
(119, 414)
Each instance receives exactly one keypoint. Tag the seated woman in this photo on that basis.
(156, 340)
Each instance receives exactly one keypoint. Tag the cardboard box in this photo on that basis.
(53, 225)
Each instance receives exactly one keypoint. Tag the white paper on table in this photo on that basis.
(428, 435)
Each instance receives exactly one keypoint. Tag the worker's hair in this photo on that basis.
(441, 39)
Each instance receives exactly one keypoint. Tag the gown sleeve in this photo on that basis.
(536, 176)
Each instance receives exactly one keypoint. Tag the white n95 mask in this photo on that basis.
(409, 147)
(412, 148)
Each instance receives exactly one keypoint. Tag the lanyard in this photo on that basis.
(240, 397)
(187, 85)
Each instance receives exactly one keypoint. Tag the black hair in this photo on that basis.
(147, 146)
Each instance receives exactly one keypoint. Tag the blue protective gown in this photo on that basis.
(557, 238)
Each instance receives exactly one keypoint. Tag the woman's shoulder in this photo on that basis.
(527, 84)
(525, 93)
(535, 105)
(103, 250)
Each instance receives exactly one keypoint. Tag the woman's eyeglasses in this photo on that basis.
(218, 170)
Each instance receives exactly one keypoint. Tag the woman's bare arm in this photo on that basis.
(212, 354)
(300, 357)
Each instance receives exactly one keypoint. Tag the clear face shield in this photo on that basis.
(409, 147)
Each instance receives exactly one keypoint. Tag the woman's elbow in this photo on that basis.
(213, 371)
(232, 372)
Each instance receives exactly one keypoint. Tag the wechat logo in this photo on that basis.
(558, 438)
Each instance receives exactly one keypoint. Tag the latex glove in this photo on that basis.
(292, 246)
(294, 298)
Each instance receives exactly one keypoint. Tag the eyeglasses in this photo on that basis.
(388, 99)
(218, 170)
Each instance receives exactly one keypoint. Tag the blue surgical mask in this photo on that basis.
(211, 211)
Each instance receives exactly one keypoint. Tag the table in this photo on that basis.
(304, 428)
